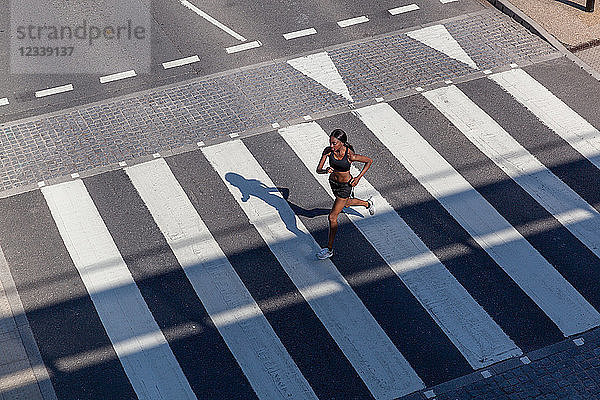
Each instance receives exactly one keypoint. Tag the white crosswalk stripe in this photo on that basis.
(551, 292)
(552, 111)
(150, 365)
(468, 326)
(381, 366)
(552, 193)
(262, 357)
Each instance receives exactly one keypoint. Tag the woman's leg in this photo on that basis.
(357, 202)
(338, 206)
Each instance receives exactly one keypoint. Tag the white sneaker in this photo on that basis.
(324, 253)
(371, 206)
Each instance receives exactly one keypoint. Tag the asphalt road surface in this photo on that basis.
(202, 31)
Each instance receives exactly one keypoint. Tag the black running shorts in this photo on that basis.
(341, 189)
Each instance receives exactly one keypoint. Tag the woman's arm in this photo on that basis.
(320, 169)
(363, 159)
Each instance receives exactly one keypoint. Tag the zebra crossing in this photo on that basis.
(470, 329)
(194, 276)
(502, 242)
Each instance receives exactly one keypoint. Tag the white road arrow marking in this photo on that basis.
(438, 38)
(321, 68)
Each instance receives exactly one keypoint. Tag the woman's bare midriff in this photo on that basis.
(340, 176)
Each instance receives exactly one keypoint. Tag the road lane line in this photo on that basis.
(150, 364)
(301, 33)
(553, 112)
(242, 47)
(565, 306)
(54, 90)
(353, 21)
(403, 9)
(181, 61)
(255, 346)
(119, 75)
(4, 101)
(377, 361)
(213, 21)
(474, 333)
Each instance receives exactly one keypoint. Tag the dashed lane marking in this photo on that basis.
(54, 90)
(118, 76)
(301, 33)
(181, 61)
(403, 9)
(352, 21)
(242, 47)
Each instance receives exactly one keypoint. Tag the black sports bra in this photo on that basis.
(342, 165)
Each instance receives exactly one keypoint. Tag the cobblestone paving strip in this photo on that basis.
(105, 133)
(565, 370)
(390, 64)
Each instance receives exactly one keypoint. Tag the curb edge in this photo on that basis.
(509, 9)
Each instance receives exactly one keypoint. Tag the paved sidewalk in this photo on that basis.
(576, 29)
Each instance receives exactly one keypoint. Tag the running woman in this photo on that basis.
(340, 155)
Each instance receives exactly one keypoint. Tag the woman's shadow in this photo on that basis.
(254, 187)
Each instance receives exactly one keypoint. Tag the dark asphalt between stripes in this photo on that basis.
(59, 310)
(309, 344)
(201, 352)
(398, 312)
